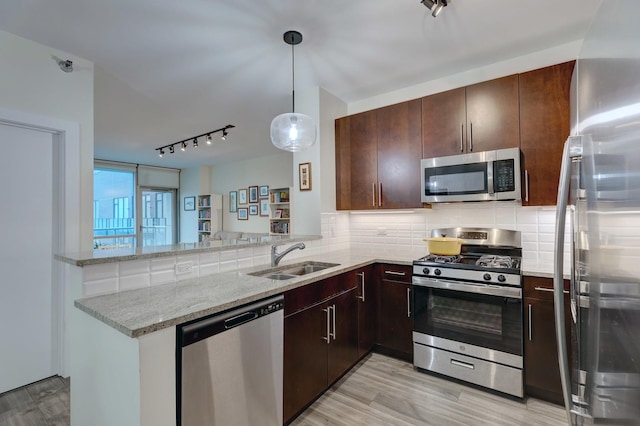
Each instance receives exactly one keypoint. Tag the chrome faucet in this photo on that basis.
(277, 257)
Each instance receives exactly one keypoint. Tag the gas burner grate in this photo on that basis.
(441, 259)
(495, 261)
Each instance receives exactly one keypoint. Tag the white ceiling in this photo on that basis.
(167, 70)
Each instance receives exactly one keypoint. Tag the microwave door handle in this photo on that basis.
(490, 178)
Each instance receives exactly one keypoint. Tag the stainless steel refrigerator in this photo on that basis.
(598, 213)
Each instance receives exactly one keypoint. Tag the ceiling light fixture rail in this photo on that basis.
(194, 139)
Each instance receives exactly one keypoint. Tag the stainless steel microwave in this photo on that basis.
(478, 176)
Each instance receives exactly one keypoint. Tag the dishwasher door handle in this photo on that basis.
(240, 319)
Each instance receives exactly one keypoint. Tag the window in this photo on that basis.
(114, 215)
(134, 205)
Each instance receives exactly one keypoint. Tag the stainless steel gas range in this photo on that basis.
(468, 319)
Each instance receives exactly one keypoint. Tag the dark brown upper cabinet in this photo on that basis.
(544, 127)
(480, 117)
(378, 156)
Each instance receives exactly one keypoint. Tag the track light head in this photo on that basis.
(224, 135)
(435, 6)
(184, 146)
(171, 149)
(161, 153)
(209, 139)
(195, 142)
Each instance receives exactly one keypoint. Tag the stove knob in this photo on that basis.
(487, 277)
(501, 278)
(425, 271)
(437, 272)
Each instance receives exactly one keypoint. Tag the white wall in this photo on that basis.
(31, 82)
(274, 171)
(323, 107)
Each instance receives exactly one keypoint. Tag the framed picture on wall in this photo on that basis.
(243, 213)
(233, 201)
(253, 210)
(264, 207)
(304, 176)
(253, 194)
(264, 191)
(189, 203)
(242, 196)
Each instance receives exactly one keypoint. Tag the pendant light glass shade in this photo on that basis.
(293, 131)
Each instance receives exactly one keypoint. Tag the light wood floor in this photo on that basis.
(378, 391)
(43, 403)
(385, 391)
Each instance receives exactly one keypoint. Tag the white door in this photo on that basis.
(26, 259)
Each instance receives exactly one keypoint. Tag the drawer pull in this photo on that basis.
(463, 364)
(401, 274)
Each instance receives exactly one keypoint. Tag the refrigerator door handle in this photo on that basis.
(558, 279)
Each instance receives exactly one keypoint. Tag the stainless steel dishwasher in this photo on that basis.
(230, 367)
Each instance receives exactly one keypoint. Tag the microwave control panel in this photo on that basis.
(504, 176)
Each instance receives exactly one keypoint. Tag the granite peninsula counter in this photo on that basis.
(138, 312)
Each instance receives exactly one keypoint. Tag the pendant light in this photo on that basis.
(293, 131)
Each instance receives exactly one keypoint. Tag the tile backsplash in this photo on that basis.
(402, 233)
(396, 233)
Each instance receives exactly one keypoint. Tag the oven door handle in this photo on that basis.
(490, 290)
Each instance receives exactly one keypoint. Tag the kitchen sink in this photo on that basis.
(291, 271)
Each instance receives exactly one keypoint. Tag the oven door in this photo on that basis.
(475, 314)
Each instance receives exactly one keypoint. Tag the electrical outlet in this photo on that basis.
(184, 267)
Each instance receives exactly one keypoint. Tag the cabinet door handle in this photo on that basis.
(333, 310)
(530, 316)
(408, 302)
(526, 185)
(380, 194)
(470, 137)
(461, 137)
(328, 338)
(373, 194)
(361, 275)
(401, 274)
(549, 290)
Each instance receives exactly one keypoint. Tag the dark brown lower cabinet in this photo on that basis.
(320, 345)
(395, 321)
(367, 302)
(542, 374)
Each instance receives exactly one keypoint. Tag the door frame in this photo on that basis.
(67, 228)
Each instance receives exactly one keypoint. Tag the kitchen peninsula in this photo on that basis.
(123, 344)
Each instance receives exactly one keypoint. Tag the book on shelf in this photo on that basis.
(280, 197)
(279, 227)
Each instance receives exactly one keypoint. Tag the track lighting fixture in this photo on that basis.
(435, 6)
(194, 139)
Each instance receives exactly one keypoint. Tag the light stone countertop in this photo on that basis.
(138, 312)
(95, 257)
